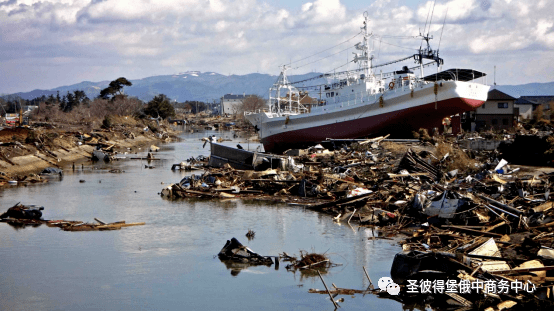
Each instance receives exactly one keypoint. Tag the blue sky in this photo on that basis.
(50, 43)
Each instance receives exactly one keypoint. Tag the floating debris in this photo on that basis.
(19, 211)
(250, 234)
(237, 252)
(21, 215)
(458, 214)
(79, 226)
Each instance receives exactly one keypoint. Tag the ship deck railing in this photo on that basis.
(365, 98)
(356, 99)
(257, 111)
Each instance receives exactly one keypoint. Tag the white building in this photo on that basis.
(231, 103)
(527, 104)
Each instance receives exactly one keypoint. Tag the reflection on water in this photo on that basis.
(237, 267)
(169, 263)
(17, 225)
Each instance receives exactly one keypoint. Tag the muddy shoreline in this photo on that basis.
(35, 163)
(27, 152)
(29, 149)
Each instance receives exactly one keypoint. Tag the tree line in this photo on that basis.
(112, 96)
(12, 104)
(111, 100)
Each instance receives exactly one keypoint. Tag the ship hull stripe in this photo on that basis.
(399, 123)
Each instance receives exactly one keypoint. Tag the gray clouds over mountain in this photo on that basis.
(48, 43)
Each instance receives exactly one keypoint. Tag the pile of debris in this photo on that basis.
(468, 215)
(79, 226)
(191, 164)
(6, 179)
(30, 215)
(307, 261)
(20, 215)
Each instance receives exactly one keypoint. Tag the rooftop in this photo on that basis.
(537, 99)
(495, 94)
(522, 101)
(235, 96)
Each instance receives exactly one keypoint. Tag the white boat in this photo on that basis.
(359, 103)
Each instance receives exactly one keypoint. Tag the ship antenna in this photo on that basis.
(440, 39)
(431, 21)
(424, 28)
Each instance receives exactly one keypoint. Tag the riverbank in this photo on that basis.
(30, 149)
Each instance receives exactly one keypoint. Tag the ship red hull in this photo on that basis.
(399, 124)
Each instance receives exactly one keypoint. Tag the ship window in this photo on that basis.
(502, 105)
(483, 106)
(332, 93)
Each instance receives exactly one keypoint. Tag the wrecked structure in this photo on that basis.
(462, 215)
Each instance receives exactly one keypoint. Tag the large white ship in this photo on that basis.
(359, 103)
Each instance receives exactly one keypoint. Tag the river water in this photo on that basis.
(170, 263)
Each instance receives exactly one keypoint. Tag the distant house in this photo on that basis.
(526, 107)
(498, 112)
(306, 100)
(528, 104)
(231, 103)
(27, 109)
(186, 110)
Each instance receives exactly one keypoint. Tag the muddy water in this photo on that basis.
(169, 263)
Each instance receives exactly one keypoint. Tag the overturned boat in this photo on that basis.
(221, 155)
(359, 103)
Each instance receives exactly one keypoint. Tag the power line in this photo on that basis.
(307, 57)
(394, 45)
(324, 57)
(398, 37)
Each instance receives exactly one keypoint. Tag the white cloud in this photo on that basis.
(544, 32)
(457, 10)
(492, 43)
(147, 37)
(402, 13)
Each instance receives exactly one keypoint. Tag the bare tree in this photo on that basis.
(252, 103)
(538, 113)
(2, 105)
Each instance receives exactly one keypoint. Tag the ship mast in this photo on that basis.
(427, 53)
(365, 58)
(291, 94)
